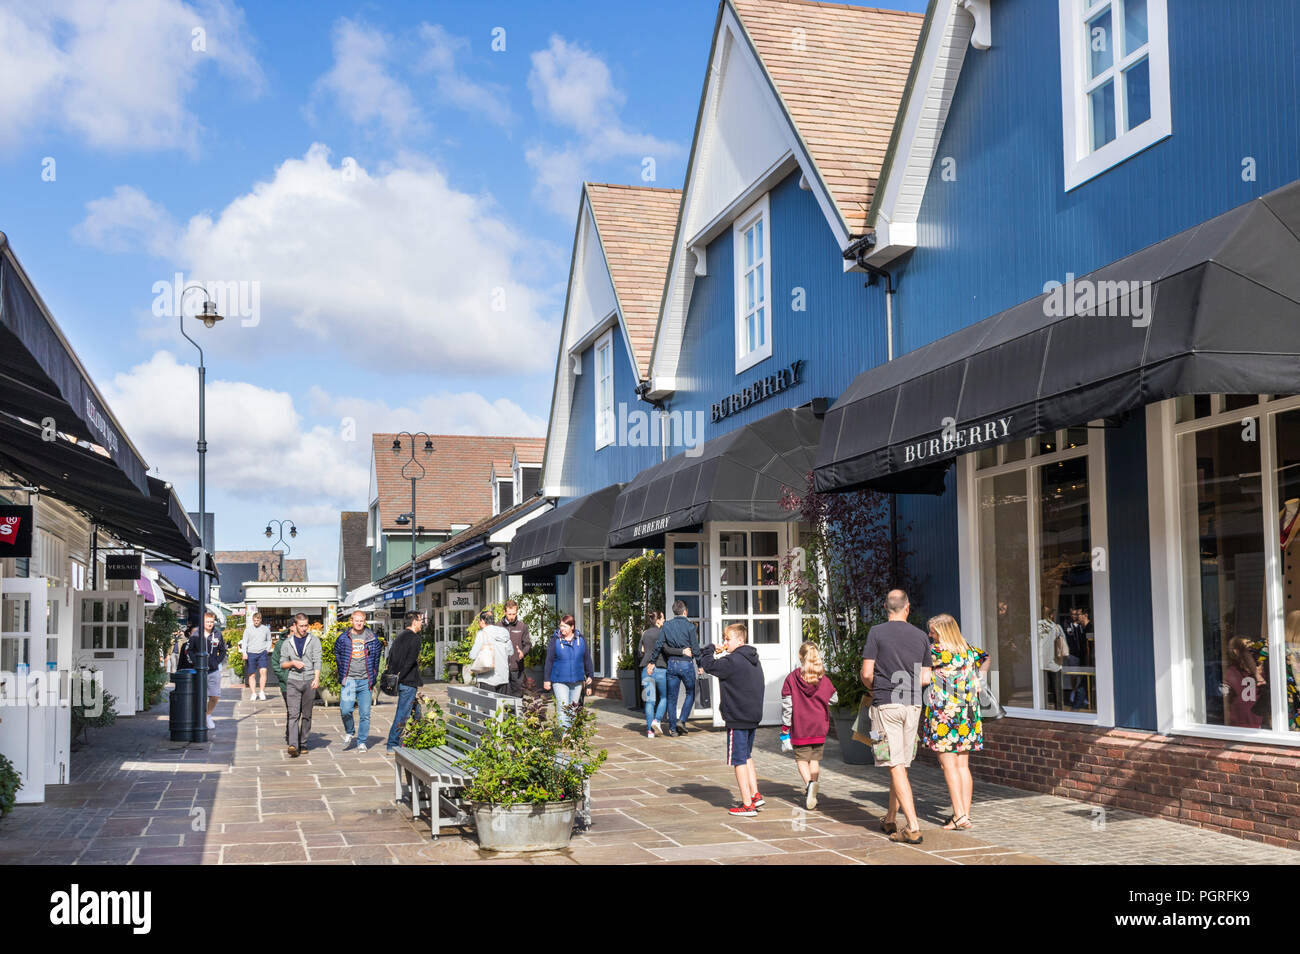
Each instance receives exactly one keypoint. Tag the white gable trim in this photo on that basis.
(953, 26)
(708, 207)
(568, 362)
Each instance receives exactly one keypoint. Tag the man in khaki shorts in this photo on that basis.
(895, 667)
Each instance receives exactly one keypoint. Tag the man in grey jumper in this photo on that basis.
(301, 656)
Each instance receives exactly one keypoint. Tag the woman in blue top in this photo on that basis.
(568, 667)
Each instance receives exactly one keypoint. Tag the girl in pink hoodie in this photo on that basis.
(806, 698)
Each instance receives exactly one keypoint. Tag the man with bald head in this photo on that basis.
(895, 666)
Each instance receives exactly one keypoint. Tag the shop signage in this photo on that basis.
(15, 532)
(290, 590)
(760, 390)
(541, 585)
(461, 601)
(656, 525)
(530, 563)
(954, 438)
(122, 566)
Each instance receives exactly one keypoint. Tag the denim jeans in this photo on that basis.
(566, 693)
(655, 685)
(356, 694)
(680, 670)
(406, 707)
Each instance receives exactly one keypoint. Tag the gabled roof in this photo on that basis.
(635, 225)
(842, 89)
(267, 563)
(454, 490)
(790, 85)
(529, 450)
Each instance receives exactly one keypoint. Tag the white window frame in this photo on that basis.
(1081, 162)
(759, 211)
(604, 411)
(968, 548)
(1168, 579)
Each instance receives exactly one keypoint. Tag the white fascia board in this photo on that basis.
(925, 112)
(732, 49)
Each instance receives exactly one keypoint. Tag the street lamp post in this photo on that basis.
(209, 317)
(293, 532)
(412, 476)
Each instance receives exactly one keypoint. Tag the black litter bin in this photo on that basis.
(183, 708)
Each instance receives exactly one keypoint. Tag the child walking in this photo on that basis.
(741, 674)
(806, 698)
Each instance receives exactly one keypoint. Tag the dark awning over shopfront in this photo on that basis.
(574, 532)
(738, 476)
(1213, 309)
(40, 376)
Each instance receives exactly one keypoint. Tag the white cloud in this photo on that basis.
(573, 88)
(397, 263)
(488, 100)
(126, 220)
(362, 85)
(258, 446)
(116, 73)
(466, 412)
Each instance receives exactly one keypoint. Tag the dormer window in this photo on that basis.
(1114, 82)
(753, 247)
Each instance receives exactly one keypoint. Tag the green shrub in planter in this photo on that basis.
(10, 781)
(234, 660)
(427, 732)
(92, 707)
(529, 759)
(329, 673)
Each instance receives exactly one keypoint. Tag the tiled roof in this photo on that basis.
(482, 528)
(842, 89)
(455, 488)
(268, 564)
(352, 540)
(636, 225)
(530, 450)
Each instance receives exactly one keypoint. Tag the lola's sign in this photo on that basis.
(760, 390)
(955, 438)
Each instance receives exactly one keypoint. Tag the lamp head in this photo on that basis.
(209, 315)
(293, 531)
(268, 533)
(428, 446)
(403, 520)
(397, 445)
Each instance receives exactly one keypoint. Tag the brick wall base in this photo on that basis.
(1243, 789)
(605, 688)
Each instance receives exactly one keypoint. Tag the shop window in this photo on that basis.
(1114, 82)
(1239, 481)
(592, 579)
(753, 255)
(749, 583)
(1034, 534)
(105, 624)
(604, 355)
(15, 618)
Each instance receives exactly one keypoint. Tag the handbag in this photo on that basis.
(862, 722)
(1061, 649)
(990, 709)
(389, 683)
(485, 661)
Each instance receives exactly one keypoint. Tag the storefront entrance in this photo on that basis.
(109, 627)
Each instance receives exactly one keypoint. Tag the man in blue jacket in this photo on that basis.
(356, 654)
(680, 641)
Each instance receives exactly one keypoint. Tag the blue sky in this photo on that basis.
(390, 200)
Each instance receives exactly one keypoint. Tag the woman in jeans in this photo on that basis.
(654, 674)
(568, 667)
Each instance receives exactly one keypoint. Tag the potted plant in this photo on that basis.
(427, 732)
(636, 589)
(627, 681)
(457, 658)
(530, 773)
(330, 689)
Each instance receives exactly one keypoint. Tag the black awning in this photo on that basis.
(739, 476)
(94, 484)
(573, 532)
(1213, 309)
(41, 377)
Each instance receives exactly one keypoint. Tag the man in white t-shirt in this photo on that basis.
(255, 647)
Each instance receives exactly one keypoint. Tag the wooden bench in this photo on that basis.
(432, 776)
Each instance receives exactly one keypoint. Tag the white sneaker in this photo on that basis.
(361, 746)
(262, 696)
(649, 733)
(211, 724)
(811, 800)
(347, 739)
(654, 727)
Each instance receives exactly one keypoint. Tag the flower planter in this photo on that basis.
(326, 697)
(627, 686)
(542, 827)
(451, 671)
(851, 750)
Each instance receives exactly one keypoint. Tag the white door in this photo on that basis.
(58, 665)
(746, 560)
(686, 578)
(22, 653)
(109, 626)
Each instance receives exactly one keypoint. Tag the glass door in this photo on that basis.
(749, 591)
(58, 667)
(110, 638)
(686, 578)
(22, 654)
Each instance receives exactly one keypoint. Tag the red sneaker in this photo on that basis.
(747, 810)
(759, 801)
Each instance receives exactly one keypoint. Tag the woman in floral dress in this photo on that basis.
(952, 714)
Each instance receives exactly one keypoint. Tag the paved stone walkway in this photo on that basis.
(239, 799)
